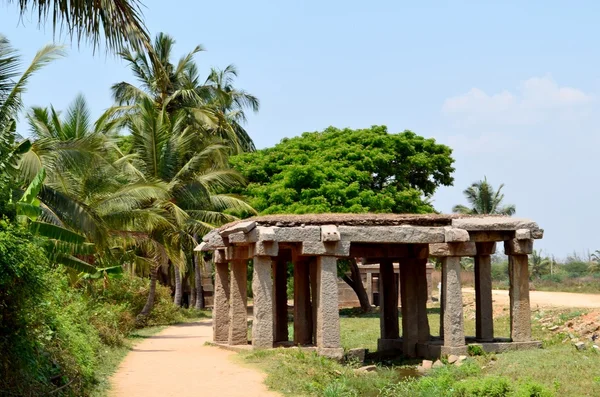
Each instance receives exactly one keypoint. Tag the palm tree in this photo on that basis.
(118, 21)
(165, 147)
(215, 107)
(483, 199)
(538, 264)
(12, 86)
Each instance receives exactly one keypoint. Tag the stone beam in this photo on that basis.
(330, 233)
(219, 256)
(452, 249)
(453, 235)
(392, 234)
(376, 251)
(241, 227)
(482, 236)
(266, 248)
(493, 223)
(243, 252)
(316, 248)
(518, 247)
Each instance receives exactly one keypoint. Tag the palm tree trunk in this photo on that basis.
(178, 287)
(192, 303)
(152, 293)
(198, 280)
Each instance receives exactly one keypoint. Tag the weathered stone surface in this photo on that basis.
(339, 248)
(520, 311)
(388, 300)
(437, 364)
(523, 234)
(427, 364)
(453, 235)
(266, 248)
(494, 223)
(214, 240)
(392, 234)
(454, 334)
(484, 322)
(262, 289)
(219, 256)
(298, 233)
(303, 333)
(365, 369)
(335, 353)
(553, 328)
(596, 347)
(518, 247)
(240, 227)
(494, 235)
(244, 238)
(452, 359)
(580, 346)
(330, 233)
(328, 319)
(238, 252)
(356, 355)
(221, 304)
(452, 249)
(202, 247)
(537, 234)
(238, 317)
(266, 233)
(461, 358)
(486, 248)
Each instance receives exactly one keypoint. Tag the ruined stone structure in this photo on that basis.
(313, 243)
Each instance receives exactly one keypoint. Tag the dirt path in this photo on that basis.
(175, 362)
(550, 299)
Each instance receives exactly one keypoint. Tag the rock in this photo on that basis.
(461, 359)
(452, 359)
(427, 364)
(367, 368)
(420, 369)
(338, 373)
(553, 328)
(596, 348)
(438, 364)
(580, 346)
(356, 355)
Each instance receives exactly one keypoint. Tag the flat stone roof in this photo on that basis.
(361, 219)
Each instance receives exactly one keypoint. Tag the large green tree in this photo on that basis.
(484, 199)
(367, 170)
(344, 170)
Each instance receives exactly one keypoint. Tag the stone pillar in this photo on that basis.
(454, 334)
(303, 327)
(328, 319)
(370, 286)
(312, 270)
(280, 292)
(484, 320)
(238, 314)
(221, 303)
(520, 311)
(388, 301)
(410, 307)
(420, 266)
(430, 269)
(262, 290)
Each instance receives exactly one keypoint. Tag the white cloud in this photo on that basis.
(536, 100)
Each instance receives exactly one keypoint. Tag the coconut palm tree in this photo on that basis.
(165, 148)
(484, 199)
(13, 84)
(118, 21)
(538, 264)
(215, 107)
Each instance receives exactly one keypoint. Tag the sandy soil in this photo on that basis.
(175, 362)
(549, 299)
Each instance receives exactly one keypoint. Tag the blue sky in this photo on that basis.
(511, 86)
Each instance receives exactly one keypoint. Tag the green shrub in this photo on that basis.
(555, 278)
(493, 386)
(475, 350)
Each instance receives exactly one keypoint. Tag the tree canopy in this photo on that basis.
(344, 170)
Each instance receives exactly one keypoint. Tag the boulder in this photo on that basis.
(366, 369)
(553, 328)
(438, 364)
(580, 346)
(356, 355)
(452, 359)
(427, 364)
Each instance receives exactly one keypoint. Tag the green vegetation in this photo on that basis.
(367, 170)
(544, 372)
(484, 199)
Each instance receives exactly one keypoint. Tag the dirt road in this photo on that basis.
(175, 362)
(549, 299)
